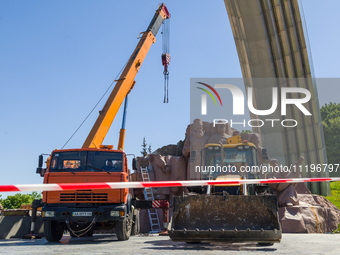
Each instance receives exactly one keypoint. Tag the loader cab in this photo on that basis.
(234, 161)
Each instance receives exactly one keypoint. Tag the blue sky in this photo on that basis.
(57, 58)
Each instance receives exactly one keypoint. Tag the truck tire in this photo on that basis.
(136, 224)
(53, 231)
(123, 229)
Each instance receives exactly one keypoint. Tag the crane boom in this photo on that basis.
(125, 82)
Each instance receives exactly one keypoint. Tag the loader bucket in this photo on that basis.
(225, 218)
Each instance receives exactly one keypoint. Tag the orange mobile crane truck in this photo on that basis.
(82, 211)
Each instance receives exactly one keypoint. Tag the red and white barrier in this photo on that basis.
(155, 184)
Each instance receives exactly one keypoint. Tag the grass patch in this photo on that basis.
(335, 198)
(335, 194)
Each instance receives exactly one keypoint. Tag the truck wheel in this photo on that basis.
(53, 231)
(136, 225)
(123, 229)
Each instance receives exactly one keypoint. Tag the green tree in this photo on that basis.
(144, 150)
(15, 201)
(247, 131)
(332, 139)
(330, 114)
(330, 111)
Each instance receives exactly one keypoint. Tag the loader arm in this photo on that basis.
(125, 83)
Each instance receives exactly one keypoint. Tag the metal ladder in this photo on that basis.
(148, 195)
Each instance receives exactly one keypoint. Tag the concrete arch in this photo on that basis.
(273, 49)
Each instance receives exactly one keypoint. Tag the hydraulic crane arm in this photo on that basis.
(126, 81)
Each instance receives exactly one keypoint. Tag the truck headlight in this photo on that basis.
(48, 214)
(114, 213)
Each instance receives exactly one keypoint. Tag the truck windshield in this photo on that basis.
(86, 161)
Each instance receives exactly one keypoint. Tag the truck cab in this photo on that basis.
(82, 211)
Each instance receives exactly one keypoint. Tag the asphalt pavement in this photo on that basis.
(155, 244)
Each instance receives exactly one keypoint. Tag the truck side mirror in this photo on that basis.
(41, 159)
(39, 170)
(134, 164)
(265, 155)
(40, 163)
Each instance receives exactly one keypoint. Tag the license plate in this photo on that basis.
(81, 213)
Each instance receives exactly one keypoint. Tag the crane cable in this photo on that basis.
(166, 87)
(166, 57)
(115, 80)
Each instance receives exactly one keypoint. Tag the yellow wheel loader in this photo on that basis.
(227, 213)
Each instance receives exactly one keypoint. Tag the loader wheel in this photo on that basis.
(53, 231)
(265, 244)
(123, 229)
(136, 225)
